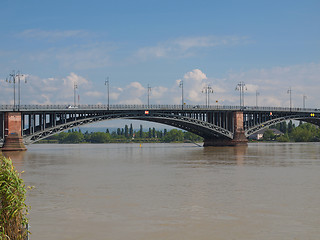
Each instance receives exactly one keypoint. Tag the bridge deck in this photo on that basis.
(26, 108)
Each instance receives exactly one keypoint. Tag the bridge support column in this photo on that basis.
(239, 138)
(12, 139)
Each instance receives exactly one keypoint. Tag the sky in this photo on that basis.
(270, 45)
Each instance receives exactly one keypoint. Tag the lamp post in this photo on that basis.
(304, 101)
(106, 82)
(13, 78)
(207, 90)
(181, 86)
(149, 90)
(75, 86)
(257, 94)
(290, 93)
(241, 87)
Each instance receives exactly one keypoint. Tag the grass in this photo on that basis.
(13, 210)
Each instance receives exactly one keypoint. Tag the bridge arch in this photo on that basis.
(196, 126)
(298, 117)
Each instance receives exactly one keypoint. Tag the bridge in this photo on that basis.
(218, 125)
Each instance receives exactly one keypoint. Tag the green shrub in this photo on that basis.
(13, 210)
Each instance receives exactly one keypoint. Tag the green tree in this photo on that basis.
(268, 135)
(283, 138)
(61, 137)
(165, 132)
(100, 137)
(141, 131)
(126, 131)
(74, 137)
(173, 135)
(283, 127)
(290, 126)
(149, 133)
(131, 130)
(191, 136)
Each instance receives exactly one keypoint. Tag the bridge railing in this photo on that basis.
(149, 107)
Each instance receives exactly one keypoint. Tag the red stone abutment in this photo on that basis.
(13, 140)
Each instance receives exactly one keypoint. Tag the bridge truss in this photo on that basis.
(42, 121)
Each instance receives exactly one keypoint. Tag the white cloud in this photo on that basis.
(186, 47)
(272, 85)
(93, 94)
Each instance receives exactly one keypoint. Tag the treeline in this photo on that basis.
(126, 134)
(305, 132)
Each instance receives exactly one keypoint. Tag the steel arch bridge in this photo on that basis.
(218, 125)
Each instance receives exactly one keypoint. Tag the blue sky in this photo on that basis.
(269, 45)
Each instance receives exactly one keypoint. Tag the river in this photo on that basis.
(172, 191)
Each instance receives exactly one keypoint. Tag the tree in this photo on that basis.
(191, 136)
(173, 135)
(74, 137)
(100, 137)
(149, 133)
(126, 131)
(290, 126)
(153, 132)
(283, 127)
(268, 135)
(165, 132)
(131, 130)
(141, 131)
(61, 137)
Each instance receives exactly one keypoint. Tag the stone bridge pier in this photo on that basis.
(239, 138)
(13, 140)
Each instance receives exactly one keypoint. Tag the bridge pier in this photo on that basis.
(239, 138)
(13, 140)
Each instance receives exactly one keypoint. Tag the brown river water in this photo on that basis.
(172, 191)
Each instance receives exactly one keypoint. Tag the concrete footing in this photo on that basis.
(14, 142)
(238, 140)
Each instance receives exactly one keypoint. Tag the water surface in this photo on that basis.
(172, 191)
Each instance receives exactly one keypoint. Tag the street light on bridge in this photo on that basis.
(106, 82)
(290, 93)
(241, 87)
(257, 94)
(181, 86)
(207, 90)
(304, 101)
(13, 78)
(75, 86)
(149, 90)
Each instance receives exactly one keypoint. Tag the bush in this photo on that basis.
(13, 210)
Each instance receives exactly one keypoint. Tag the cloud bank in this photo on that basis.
(266, 84)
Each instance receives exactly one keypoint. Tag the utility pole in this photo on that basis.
(241, 87)
(181, 86)
(149, 90)
(207, 90)
(106, 82)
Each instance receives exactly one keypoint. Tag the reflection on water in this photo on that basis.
(173, 191)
